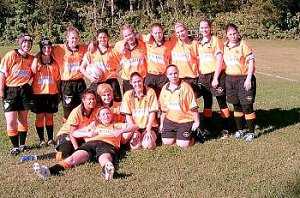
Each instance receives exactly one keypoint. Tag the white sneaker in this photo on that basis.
(42, 171)
(239, 134)
(250, 137)
(108, 171)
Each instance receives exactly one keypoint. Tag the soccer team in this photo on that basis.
(162, 77)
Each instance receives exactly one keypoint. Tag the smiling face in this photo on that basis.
(72, 39)
(129, 36)
(105, 116)
(172, 74)
(205, 29)
(89, 101)
(102, 39)
(181, 33)
(137, 83)
(157, 34)
(47, 49)
(106, 98)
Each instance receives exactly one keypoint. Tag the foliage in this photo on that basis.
(255, 18)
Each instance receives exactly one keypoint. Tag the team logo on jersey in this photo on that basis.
(249, 98)
(186, 134)
(68, 99)
(6, 104)
(219, 90)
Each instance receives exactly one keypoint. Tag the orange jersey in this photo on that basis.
(140, 108)
(158, 57)
(104, 61)
(207, 53)
(236, 58)
(131, 60)
(16, 68)
(77, 118)
(115, 109)
(106, 134)
(45, 77)
(178, 105)
(68, 61)
(184, 56)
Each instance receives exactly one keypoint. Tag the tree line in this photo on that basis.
(255, 18)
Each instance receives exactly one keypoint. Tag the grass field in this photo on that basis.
(267, 167)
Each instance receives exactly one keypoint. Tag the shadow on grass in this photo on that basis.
(118, 175)
(267, 121)
(274, 119)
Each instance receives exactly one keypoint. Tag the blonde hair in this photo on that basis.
(179, 24)
(71, 28)
(104, 87)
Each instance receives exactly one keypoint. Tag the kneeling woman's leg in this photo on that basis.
(184, 135)
(168, 133)
(136, 141)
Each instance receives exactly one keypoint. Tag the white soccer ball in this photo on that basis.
(94, 71)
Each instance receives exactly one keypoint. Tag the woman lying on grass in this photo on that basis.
(102, 141)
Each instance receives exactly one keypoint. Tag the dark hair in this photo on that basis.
(71, 28)
(156, 25)
(209, 24)
(24, 37)
(45, 41)
(135, 74)
(171, 65)
(230, 26)
(102, 30)
(86, 92)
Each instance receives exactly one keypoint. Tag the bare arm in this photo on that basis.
(196, 120)
(251, 65)
(2, 84)
(218, 69)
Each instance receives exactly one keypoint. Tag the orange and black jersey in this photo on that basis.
(45, 76)
(16, 68)
(236, 58)
(69, 61)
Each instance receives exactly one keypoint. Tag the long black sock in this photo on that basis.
(207, 123)
(40, 132)
(14, 140)
(239, 122)
(49, 129)
(23, 135)
(225, 123)
(251, 125)
(56, 169)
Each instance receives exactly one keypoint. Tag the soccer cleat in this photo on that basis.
(108, 171)
(51, 142)
(15, 151)
(42, 171)
(26, 158)
(225, 134)
(250, 137)
(24, 148)
(239, 134)
(42, 144)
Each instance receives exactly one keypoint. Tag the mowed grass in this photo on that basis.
(267, 167)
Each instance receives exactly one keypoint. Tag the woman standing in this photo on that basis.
(240, 80)
(212, 77)
(15, 74)
(45, 91)
(100, 67)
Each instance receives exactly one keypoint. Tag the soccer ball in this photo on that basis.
(94, 71)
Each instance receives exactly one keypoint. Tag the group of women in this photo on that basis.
(158, 74)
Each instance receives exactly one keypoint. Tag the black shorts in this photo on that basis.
(17, 98)
(180, 131)
(205, 84)
(193, 82)
(235, 91)
(65, 145)
(155, 81)
(71, 92)
(45, 103)
(96, 148)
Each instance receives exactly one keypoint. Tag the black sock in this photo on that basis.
(14, 140)
(23, 135)
(40, 132)
(56, 169)
(239, 122)
(49, 129)
(251, 125)
(207, 123)
(225, 123)
(46, 156)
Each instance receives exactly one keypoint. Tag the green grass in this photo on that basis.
(267, 167)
